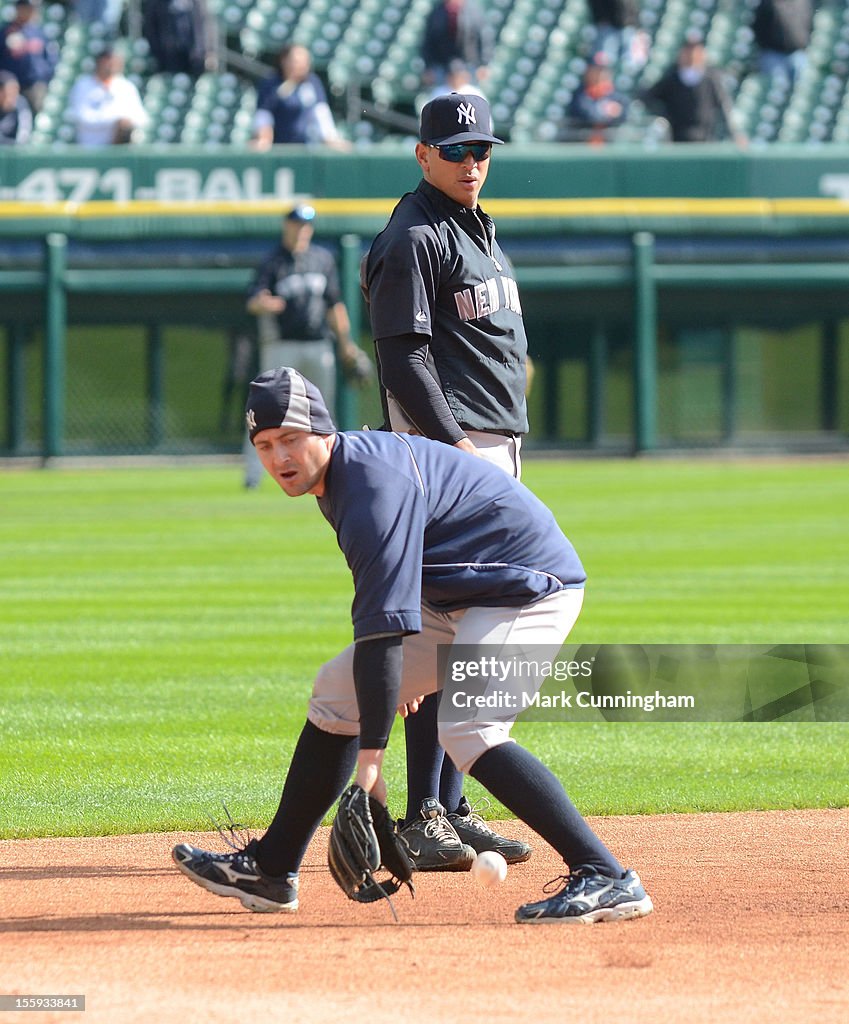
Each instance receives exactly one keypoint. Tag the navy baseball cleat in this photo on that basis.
(432, 842)
(238, 874)
(474, 831)
(587, 897)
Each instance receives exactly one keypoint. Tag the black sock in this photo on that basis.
(523, 784)
(320, 769)
(451, 781)
(425, 757)
(430, 771)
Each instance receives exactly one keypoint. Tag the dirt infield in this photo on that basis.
(751, 924)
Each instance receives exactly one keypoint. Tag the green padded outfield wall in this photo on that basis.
(179, 174)
(690, 295)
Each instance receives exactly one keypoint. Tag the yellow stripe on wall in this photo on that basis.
(513, 208)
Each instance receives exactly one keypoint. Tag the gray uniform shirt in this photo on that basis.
(437, 270)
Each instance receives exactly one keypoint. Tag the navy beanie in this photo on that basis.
(284, 398)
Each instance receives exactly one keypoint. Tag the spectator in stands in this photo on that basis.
(15, 113)
(26, 52)
(104, 12)
(617, 33)
(106, 107)
(182, 35)
(693, 98)
(456, 30)
(596, 106)
(292, 105)
(782, 31)
(459, 79)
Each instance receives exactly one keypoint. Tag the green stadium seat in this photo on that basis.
(373, 45)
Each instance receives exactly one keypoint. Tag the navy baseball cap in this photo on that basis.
(285, 398)
(456, 117)
(303, 213)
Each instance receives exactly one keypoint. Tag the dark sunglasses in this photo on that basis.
(456, 153)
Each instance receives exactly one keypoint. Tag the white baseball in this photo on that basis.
(489, 868)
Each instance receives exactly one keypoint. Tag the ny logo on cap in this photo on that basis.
(250, 416)
(466, 111)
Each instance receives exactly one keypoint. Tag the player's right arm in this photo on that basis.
(377, 681)
(405, 375)
(381, 534)
(265, 302)
(261, 298)
(400, 281)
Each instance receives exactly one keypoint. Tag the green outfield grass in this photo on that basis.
(159, 629)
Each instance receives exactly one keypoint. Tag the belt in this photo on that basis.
(488, 430)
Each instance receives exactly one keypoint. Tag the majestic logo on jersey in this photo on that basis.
(466, 114)
(250, 416)
(487, 298)
(421, 317)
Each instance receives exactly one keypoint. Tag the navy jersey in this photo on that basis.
(309, 283)
(292, 107)
(421, 522)
(437, 270)
(26, 51)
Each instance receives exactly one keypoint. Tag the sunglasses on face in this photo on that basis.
(457, 152)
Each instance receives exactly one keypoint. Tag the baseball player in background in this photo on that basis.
(297, 300)
(452, 356)
(443, 548)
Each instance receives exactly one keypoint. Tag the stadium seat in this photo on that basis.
(541, 49)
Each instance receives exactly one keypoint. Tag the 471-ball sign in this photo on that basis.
(164, 184)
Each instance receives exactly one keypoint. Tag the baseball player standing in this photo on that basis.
(452, 353)
(295, 296)
(443, 548)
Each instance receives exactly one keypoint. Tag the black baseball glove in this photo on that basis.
(364, 838)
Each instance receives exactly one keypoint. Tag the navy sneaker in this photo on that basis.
(474, 831)
(433, 844)
(587, 897)
(238, 874)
